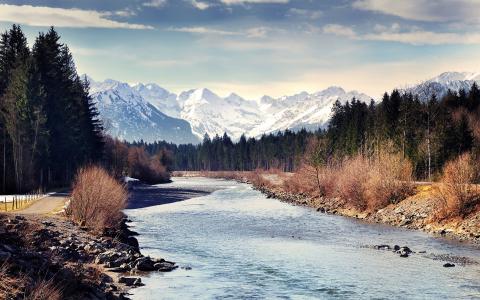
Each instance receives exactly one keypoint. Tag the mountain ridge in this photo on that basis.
(207, 112)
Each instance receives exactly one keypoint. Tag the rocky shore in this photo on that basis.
(413, 213)
(77, 263)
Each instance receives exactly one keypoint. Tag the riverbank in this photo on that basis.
(49, 257)
(415, 212)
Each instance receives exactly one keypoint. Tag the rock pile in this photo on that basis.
(34, 243)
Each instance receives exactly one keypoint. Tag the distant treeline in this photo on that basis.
(48, 122)
(283, 150)
(428, 133)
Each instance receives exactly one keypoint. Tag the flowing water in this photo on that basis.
(241, 245)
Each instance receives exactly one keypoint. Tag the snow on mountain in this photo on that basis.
(162, 99)
(440, 84)
(150, 112)
(127, 115)
(303, 110)
(134, 111)
(209, 113)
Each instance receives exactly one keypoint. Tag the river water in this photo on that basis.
(241, 245)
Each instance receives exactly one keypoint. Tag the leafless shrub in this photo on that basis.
(352, 181)
(389, 180)
(458, 192)
(360, 181)
(149, 169)
(97, 199)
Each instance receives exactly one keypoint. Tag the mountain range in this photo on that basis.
(150, 112)
(127, 115)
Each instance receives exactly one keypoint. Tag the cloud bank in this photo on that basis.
(61, 17)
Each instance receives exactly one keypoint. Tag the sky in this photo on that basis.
(258, 47)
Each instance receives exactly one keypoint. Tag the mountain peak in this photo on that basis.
(205, 94)
(447, 77)
(333, 90)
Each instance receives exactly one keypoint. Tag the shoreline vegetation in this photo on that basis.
(422, 208)
(87, 252)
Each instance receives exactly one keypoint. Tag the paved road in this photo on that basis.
(45, 205)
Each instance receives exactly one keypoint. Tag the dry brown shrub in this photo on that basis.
(352, 177)
(457, 192)
(301, 183)
(10, 287)
(97, 199)
(363, 183)
(389, 180)
(149, 169)
(258, 180)
(307, 181)
(45, 289)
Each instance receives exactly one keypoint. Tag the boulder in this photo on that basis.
(165, 266)
(130, 281)
(145, 264)
(382, 247)
(121, 269)
(102, 258)
(449, 265)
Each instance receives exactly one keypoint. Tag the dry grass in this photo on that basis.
(389, 180)
(458, 193)
(20, 204)
(10, 287)
(305, 182)
(359, 182)
(352, 180)
(45, 289)
(97, 199)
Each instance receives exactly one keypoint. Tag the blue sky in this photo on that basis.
(256, 47)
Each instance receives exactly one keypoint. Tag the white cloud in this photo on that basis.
(412, 35)
(125, 13)
(155, 3)
(199, 5)
(203, 30)
(340, 30)
(425, 38)
(61, 17)
(254, 45)
(258, 32)
(425, 10)
(253, 32)
(239, 2)
(304, 13)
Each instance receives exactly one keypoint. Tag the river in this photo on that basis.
(241, 245)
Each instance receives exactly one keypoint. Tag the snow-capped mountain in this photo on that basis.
(127, 115)
(130, 109)
(440, 84)
(303, 110)
(209, 113)
(162, 99)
